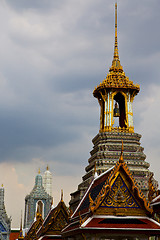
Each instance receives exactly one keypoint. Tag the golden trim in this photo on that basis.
(109, 182)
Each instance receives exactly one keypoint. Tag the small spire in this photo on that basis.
(61, 195)
(121, 160)
(21, 231)
(39, 171)
(2, 185)
(47, 167)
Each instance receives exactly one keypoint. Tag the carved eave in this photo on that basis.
(116, 80)
(32, 232)
(122, 171)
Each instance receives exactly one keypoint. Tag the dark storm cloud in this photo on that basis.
(55, 53)
(30, 130)
(20, 5)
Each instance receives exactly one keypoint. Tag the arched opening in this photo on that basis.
(40, 207)
(119, 98)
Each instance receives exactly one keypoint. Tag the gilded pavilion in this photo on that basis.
(115, 95)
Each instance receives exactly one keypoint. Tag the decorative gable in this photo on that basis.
(120, 194)
(55, 221)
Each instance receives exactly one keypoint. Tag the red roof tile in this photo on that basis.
(14, 235)
(126, 223)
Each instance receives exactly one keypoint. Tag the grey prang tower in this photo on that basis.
(39, 200)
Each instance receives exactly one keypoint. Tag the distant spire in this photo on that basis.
(121, 157)
(61, 195)
(39, 171)
(47, 168)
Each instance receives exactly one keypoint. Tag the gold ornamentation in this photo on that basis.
(120, 169)
(119, 196)
(152, 191)
(116, 80)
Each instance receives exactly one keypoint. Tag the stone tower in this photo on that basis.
(5, 222)
(47, 181)
(115, 95)
(39, 200)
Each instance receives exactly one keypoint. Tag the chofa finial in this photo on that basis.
(61, 195)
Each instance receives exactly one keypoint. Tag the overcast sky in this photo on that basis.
(52, 55)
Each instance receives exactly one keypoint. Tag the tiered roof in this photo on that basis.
(113, 201)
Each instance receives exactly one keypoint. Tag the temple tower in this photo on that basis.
(39, 200)
(47, 181)
(5, 221)
(115, 95)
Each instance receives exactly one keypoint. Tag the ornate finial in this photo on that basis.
(39, 171)
(116, 42)
(47, 168)
(116, 61)
(121, 157)
(61, 195)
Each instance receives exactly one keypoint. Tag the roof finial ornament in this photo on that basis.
(47, 167)
(39, 171)
(121, 160)
(61, 195)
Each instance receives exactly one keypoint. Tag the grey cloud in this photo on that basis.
(67, 51)
(20, 5)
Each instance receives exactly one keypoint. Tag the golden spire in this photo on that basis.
(116, 61)
(47, 167)
(116, 42)
(39, 171)
(121, 157)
